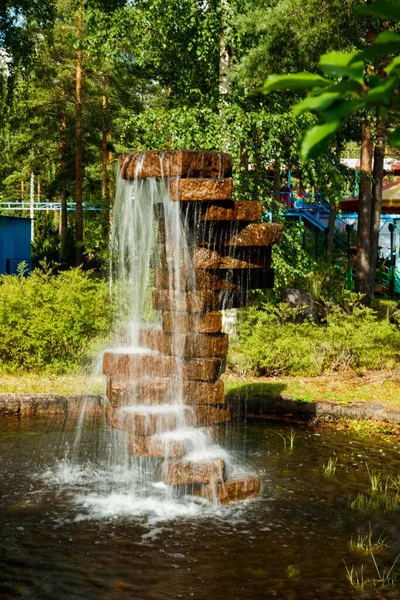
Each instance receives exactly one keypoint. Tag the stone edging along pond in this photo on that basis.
(26, 405)
(285, 406)
(255, 405)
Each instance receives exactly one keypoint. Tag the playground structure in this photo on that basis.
(313, 211)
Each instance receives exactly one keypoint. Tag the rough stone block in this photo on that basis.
(225, 280)
(211, 415)
(192, 301)
(175, 322)
(92, 403)
(185, 344)
(202, 280)
(149, 423)
(123, 391)
(232, 490)
(175, 163)
(183, 472)
(203, 369)
(9, 404)
(242, 210)
(127, 364)
(160, 365)
(242, 258)
(199, 190)
(257, 234)
(203, 392)
(225, 210)
(233, 211)
(46, 404)
(155, 446)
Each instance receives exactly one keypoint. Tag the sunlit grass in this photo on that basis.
(288, 440)
(330, 467)
(62, 384)
(364, 542)
(386, 577)
(375, 480)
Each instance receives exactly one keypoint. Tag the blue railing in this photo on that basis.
(45, 206)
(311, 206)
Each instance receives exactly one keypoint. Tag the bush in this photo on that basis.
(271, 343)
(51, 323)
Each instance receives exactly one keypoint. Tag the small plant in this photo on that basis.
(364, 542)
(382, 501)
(375, 480)
(330, 467)
(394, 482)
(356, 578)
(386, 577)
(288, 440)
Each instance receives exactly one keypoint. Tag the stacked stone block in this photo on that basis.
(230, 254)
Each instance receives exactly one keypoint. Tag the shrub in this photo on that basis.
(270, 342)
(51, 323)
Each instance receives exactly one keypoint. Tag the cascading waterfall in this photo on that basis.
(135, 251)
(182, 250)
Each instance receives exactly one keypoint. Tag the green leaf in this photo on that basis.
(295, 81)
(345, 86)
(385, 43)
(316, 137)
(393, 66)
(395, 138)
(342, 64)
(315, 103)
(342, 109)
(381, 9)
(383, 94)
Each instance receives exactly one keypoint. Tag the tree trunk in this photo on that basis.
(78, 143)
(104, 206)
(276, 187)
(376, 205)
(110, 184)
(64, 213)
(225, 53)
(331, 231)
(362, 276)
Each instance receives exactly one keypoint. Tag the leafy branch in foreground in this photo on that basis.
(349, 84)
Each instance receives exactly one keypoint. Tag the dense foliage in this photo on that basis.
(271, 341)
(151, 77)
(51, 323)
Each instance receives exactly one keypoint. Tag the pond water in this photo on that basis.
(72, 528)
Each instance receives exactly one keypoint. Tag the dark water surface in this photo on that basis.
(64, 533)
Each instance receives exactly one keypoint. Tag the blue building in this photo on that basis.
(15, 243)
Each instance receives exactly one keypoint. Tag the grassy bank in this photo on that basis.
(369, 386)
(60, 384)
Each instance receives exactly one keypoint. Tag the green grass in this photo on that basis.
(288, 440)
(385, 577)
(344, 388)
(60, 384)
(365, 543)
(375, 480)
(330, 467)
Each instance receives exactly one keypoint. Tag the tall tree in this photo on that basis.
(78, 137)
(360, 88)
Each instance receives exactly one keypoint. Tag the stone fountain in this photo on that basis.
(163, 383)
